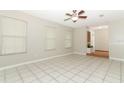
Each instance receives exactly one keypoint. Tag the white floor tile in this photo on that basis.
(62, 79)
(111, 80)
(46, 79)
(78, 79)
(66, 69)
(95, 79)
(68, 74)
(29, 79)
(54, 74)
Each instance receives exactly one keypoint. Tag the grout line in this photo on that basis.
(62, 68)
(107, 71)
(45, 72)
(88, 66)
(33, 73)
(19, 74)
(93, 71)
(86, 60)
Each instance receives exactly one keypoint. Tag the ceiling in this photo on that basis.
(93, 19)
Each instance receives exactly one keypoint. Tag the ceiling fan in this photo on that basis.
(75, 15)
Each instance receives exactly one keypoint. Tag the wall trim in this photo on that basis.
(79, 53)
(33, 61)
(117, 59)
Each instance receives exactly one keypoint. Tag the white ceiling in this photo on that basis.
(93, 19)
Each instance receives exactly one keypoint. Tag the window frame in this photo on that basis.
(50, 38)
(23, 37)
(70, 40)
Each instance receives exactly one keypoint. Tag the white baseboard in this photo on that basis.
(79, 53)
(34, 61)
(116, 59)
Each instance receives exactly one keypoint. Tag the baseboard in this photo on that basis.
(116, 59)
(102, 50)
(34, 61)
(79, 53)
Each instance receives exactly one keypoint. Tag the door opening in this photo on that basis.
(98, 42)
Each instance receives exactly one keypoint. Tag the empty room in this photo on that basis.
(57, 46)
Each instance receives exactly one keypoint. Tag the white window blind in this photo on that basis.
(13, 35)
(50, 39)
(68, 40)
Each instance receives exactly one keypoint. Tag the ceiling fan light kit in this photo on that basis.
(74, 19)
(75, 16)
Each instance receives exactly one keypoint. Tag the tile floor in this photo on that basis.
(67, 69)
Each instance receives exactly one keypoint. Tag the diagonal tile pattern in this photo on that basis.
(68, 69)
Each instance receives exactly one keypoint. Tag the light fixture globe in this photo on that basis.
(75, 18)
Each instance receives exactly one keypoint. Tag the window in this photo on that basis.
(68, 40)
(50, 40)
(13, 36)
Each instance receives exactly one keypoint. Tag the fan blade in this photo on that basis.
(74, 11)
(82, 16)
(82, 11)
(68, 14)
(67, 19)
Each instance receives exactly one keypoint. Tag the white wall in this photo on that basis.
(36, 39)
(102, 39)
(117, 40)
(80, 40)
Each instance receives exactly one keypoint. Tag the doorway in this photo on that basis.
(98, 42)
